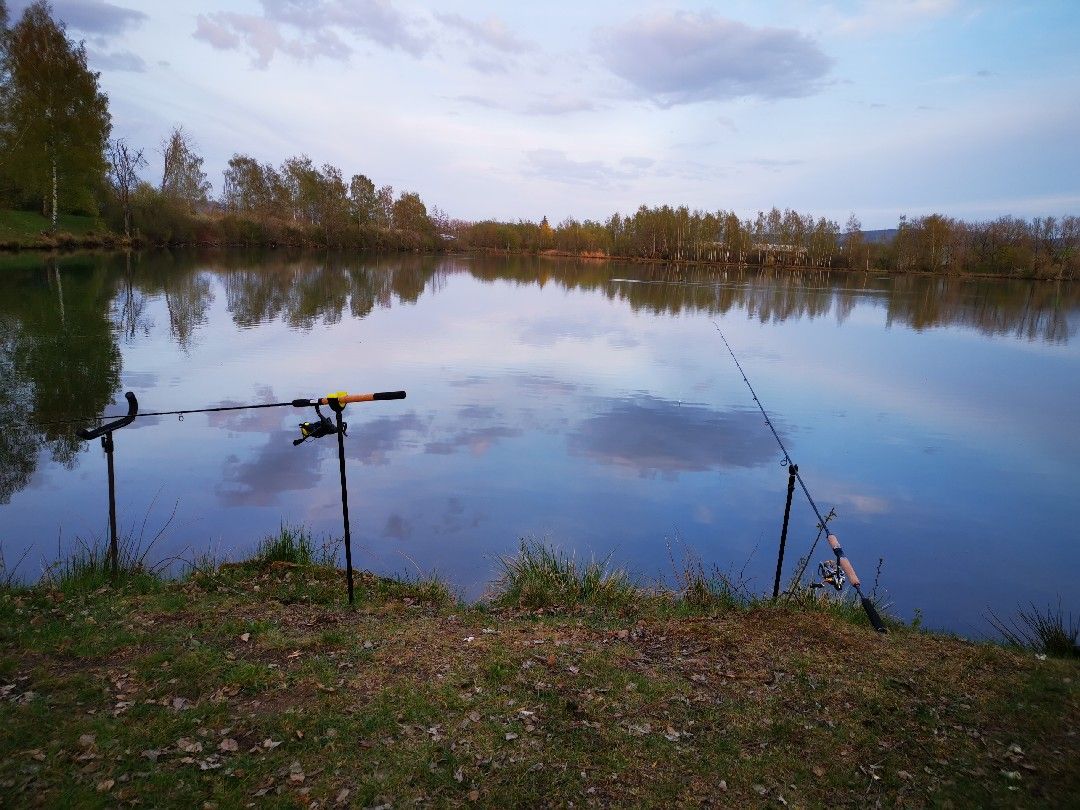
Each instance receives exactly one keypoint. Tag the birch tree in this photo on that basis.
(56, 123)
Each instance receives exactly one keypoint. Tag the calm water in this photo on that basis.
(589, 404)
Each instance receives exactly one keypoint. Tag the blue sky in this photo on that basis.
(966, 107)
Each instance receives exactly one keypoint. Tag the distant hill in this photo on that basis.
(879, 236)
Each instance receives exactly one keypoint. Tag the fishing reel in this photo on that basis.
(316, 430)
(830, 574)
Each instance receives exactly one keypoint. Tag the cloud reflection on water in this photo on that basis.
(656, 436)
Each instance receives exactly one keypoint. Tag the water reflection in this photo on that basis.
(59, 357)
(651, 436)
(586, 402)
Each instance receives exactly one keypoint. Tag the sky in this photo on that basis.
(489, 110)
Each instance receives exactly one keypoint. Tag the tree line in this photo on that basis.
(57, 154)
(1043, 246)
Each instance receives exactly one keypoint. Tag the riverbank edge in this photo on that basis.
(256, 679)
(68, 244)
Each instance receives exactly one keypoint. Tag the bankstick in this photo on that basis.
(842, 561)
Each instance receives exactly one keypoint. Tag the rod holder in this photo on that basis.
(105, 433)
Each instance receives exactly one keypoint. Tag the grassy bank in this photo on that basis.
(29, 230)
(255, 682)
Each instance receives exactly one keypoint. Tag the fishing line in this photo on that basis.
(841, 561)
(296, 403)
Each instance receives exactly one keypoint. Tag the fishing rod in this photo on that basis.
(841, 560)
(292, 403)
(324, 426)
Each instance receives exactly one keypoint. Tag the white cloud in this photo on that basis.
(682, 57)
(90, 16)
(306, 29)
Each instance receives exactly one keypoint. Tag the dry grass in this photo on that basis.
(258, 684)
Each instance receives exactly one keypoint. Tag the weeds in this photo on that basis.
(544, 577)
(427, 588)
(89, 566)
(706, 591)
(1046, 631)
(292, 544)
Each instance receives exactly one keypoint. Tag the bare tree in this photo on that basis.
(124, 165)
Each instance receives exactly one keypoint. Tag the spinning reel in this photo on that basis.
(324, 427)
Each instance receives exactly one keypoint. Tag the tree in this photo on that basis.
(384, 205)
(410, 216)
(182, 177)
(855, 243)
(56, 124)
(124, 168)
(245, 190)
(362, 200)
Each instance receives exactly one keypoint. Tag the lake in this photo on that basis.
(588, 404)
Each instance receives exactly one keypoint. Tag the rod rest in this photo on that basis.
(133, 411)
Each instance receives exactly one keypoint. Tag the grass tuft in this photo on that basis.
(292, 544)
(544, 577)
(706, 591)
(1046, 631)
(89, 567)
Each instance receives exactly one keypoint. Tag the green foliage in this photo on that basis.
(292, 544)
(55, 120)
(1047, 631)
(27, 226)
(544, 577)
(89, 567)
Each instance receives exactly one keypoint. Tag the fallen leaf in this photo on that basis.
(511, 735)
(268, 743)
(245, 637)
(86, 740)
(228, 744)
(105, 785)
(189, 746)
(296, 773)
(474, 795)
(342, 797)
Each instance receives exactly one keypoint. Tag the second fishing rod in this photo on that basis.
(842, 561)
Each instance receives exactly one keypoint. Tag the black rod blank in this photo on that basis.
(793, 470)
